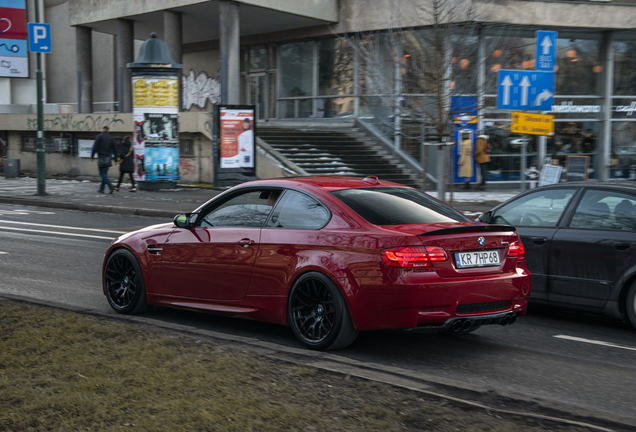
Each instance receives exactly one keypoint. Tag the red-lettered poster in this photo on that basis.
(14, 55)
(237, 138)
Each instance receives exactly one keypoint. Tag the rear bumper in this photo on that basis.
(426, 300)
(458, 324)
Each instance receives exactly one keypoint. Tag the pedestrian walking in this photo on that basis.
(466, 160)
(127, 163)
(482, 157)
(104, 146)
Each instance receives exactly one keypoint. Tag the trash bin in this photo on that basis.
(11, 168)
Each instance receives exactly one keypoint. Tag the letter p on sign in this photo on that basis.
(39, 37)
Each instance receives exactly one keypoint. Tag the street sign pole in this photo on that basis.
(41, 159)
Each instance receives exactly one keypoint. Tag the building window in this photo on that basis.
(186, 148)
(51, 144)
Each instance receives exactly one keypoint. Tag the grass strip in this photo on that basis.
(64, 371)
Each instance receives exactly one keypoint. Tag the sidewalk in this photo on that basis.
(82, 195)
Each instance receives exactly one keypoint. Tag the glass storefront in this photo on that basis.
(381, 78)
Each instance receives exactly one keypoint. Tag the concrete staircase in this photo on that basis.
(341, 151)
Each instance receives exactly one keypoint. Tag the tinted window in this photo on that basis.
(541, 208)
(248, 210)
(605, 210)
(298, 211)
(397, 206)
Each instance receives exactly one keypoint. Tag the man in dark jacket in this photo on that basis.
(127, 164)
(104, 146)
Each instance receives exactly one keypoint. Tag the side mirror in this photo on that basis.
(486, 217)
(185, 220)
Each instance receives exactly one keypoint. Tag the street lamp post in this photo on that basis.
(41, 155)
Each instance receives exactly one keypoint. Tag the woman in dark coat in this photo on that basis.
(126, 156)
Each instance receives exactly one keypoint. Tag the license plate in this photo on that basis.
(477, 259)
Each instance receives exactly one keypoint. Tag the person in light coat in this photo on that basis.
(466, 160)
(482, 157)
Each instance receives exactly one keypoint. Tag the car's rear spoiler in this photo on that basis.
(471, 228)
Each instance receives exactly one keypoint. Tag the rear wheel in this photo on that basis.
(318, 314)
(630, 304)
(124, 283)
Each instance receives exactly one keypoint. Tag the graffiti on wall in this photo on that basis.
(198, 90)
(186, 167)
(69, 122)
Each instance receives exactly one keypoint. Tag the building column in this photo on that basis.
(125, 55)
(173, 36)
(84, 41)
(481, 80)
(607, 89)
(230, 52)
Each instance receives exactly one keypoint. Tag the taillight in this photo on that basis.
(413, 256)
(517, 251)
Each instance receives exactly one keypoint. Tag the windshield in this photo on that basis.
(397, 206)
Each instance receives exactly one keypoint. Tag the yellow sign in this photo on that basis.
(532, 124)
(155, 93)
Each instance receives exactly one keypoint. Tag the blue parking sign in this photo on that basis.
(39, 38)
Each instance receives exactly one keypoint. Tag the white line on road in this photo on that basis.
(4, 253)
(55, 232)
(594, 342)
(65, 227)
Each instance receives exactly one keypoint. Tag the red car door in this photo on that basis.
(214, 260)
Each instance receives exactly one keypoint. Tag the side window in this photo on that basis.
(606, 210)
(540, 209)
(298, 211)
(248, 210)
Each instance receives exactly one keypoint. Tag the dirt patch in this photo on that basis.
(63, 371)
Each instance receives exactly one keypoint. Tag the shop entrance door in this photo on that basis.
(257, 95)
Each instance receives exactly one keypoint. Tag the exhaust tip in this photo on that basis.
(467, 324)
(457, 326)
(505, 320)
(513, 318)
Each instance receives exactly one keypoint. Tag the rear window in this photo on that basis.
(397, 206)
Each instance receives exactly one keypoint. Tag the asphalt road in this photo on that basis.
(566, 361)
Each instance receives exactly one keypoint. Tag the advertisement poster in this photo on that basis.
(85, 148)
(237, 138)
(156, 134)
(14, 54)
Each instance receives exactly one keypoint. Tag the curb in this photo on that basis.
(93, 208)
(337, 364)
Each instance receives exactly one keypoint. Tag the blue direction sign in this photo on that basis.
(545, 59)
(525, 90)
(39, 38)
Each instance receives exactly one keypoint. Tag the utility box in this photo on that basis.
(11, 168)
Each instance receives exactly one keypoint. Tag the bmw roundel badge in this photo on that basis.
(481, 241)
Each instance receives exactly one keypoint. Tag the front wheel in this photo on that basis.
(630, 304)
(318, 314)
(124, 283)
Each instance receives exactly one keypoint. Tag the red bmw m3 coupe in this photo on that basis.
(328, 256)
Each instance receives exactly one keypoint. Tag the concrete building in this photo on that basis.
(308, 61)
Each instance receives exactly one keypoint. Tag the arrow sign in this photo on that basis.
(525, 90)
(525, 83)
(546, 51)
(546, 44)
(506, 83)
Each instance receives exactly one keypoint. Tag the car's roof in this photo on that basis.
(620, 184)
(329, 183)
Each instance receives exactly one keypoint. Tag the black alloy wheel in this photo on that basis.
(630, 304)
(124, 283)
(318, 314)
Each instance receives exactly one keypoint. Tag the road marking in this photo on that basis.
(594, 342)
(4, 253)
(65, 227)
(56, 232)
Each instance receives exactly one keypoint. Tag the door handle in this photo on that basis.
(539, 240)
(245, 242)
(621, 246)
